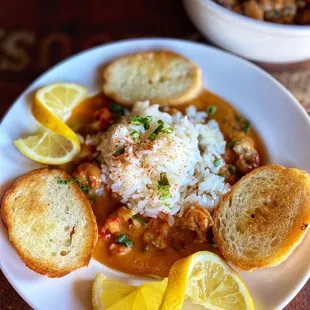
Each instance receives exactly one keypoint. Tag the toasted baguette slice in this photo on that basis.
(264, 217)
(160, 76)
(51, 225)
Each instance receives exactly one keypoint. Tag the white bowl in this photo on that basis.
(247, 37)
(278, 118)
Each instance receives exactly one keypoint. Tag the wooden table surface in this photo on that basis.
(34, 35)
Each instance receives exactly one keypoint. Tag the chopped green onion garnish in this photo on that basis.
(232, 143)
(232, 169)
(83, 187)
(117, 108)
(119, 151)
(121, 238)
(147, 121)
(247, 127)
(135, 122)
(128, 243)
(152, 136)
(159, 129)
(139, 120)
(167, 130)
(216, 162)
(211, 109)
(213, 243)
(163, 187)
(139, 219)
(135, 134)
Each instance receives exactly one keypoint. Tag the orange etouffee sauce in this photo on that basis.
(154, 262)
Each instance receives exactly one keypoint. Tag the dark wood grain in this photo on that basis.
(49, 31)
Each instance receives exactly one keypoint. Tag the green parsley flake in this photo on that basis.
(140, 120)
(232, 169)
(167, 130)
(119, 151)
(128, 243)
(216, 162)
(139, 219)
(117, 108)
(247, 127)
(83, 187)
(211, 109)
(163, 187)
(122, 239)
(135, 134)
(68, 181)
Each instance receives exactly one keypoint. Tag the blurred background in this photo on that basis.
(35, 35)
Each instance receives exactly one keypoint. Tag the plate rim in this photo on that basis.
(162, 40)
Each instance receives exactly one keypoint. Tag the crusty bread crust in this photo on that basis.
(264, 217)
(33, 206)
(149, 70)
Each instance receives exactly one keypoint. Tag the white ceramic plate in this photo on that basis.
(281, 122)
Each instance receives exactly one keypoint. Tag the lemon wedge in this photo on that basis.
(60, 98)
(48, 147)
(208, 281)
(52, 105)
(113, 295)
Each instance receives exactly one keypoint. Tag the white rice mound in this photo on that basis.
(186, 156)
